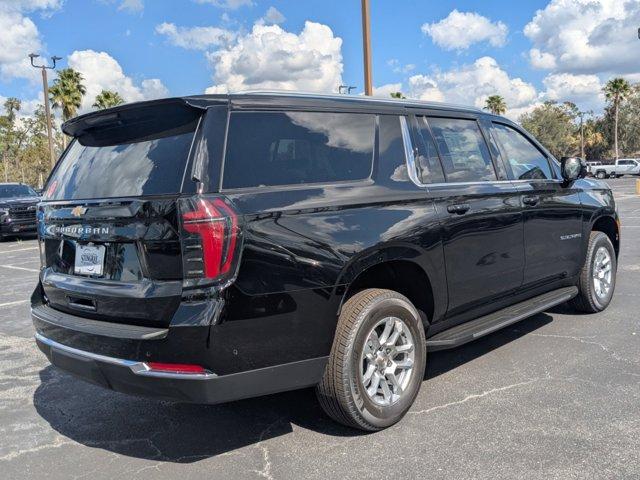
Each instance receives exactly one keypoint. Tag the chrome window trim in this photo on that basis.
(138, 368)
(410, 161)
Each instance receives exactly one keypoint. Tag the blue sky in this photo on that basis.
(461, 51)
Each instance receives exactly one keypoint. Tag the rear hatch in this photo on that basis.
(110, 220)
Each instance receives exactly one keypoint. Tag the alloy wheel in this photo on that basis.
(387, 361)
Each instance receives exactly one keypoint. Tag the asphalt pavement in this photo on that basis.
(554, 396)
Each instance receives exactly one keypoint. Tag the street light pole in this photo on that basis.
(366, 44)
(45, 87)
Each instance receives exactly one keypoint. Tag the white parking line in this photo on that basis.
(19, 250)
(17, 302)
(20, 268)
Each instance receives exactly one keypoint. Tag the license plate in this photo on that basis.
(89, 259)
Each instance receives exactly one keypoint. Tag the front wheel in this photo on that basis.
(598, 276)
(377, 361)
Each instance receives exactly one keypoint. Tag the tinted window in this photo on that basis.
(464, 153)
(524, 159)
(132, 169)
(297, 147)
(8, 191)
(427, 160)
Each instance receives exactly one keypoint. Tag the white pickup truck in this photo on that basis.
(623, 166)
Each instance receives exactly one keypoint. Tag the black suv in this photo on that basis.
(212, 248)
(18, 207)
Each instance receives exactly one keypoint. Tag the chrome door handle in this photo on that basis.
(531, 200)
(459, 208)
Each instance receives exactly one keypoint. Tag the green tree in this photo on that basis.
(495, 104)
(553, 125)
(398, 95)
(107, 99)
(8, 132)
(67, 91)
(616, 90)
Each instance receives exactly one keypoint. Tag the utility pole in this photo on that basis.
(366, 44)
(582, 114)
(45, 87)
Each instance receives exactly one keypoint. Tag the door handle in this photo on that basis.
(531, 200)
(459, 208)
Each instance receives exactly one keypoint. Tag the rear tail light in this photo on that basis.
(211, 236)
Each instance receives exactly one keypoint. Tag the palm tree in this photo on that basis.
(398, 95)
(107, 99)
(616, 90)
(495, 104)
(11, 106)
(67, 92)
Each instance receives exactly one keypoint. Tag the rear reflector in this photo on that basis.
(175, 368)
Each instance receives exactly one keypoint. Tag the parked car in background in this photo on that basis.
(218, 247)
(627, 166)
(18, 207)
(622, 166)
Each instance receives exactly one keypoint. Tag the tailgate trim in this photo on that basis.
(97, 327)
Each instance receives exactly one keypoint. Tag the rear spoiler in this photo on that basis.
(136, 122)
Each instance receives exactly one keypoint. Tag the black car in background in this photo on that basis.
(18, 209)
(212, 248)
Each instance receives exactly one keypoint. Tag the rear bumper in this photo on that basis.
(134, 377)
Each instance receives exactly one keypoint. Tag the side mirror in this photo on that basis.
(573, 168)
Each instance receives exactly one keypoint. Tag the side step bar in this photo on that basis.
(473, 329)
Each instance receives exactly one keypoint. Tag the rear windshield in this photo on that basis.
(151, 167)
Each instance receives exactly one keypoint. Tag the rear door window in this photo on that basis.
(463, 150)
(291, 148)
(524, 159)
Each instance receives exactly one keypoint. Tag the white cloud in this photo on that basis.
(586, 36)
(397, 67)
(460, 30)
(269, 57)
(386, 90)
(583, 90)
(101, 71)
(227, 4)
(472, 84)
(30, 5)
(19, 36)
(542, 60)
(131, 6)
(196, 38)
(273, 16)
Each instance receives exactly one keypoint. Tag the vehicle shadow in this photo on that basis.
(185, 433)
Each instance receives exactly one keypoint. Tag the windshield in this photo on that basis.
(10, 191)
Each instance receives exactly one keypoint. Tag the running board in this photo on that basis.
(473, 329)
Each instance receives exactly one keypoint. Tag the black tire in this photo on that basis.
(588, 300)
(342, 393)
(601, 175)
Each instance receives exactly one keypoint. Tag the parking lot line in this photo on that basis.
(20, 268)
(17, 302)
(19, 250)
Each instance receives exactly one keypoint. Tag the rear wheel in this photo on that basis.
(601, 175)
(598, 276)
(377, 361)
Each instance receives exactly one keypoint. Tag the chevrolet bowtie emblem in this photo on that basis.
(78, 211)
